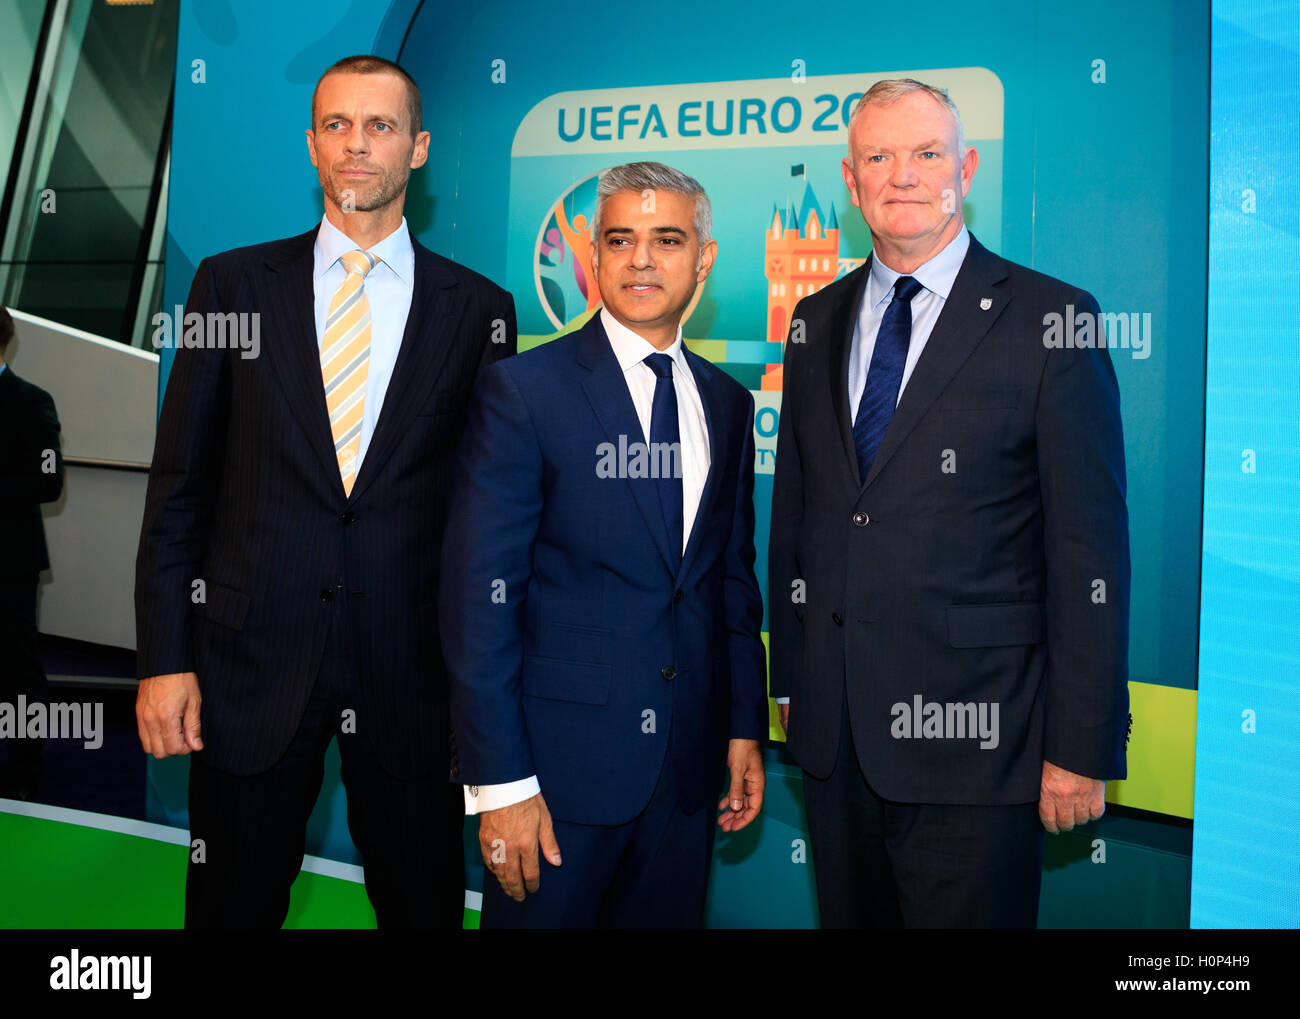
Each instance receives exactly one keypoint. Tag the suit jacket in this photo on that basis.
(245, 494)
(29, 427)
(601, 652)
(964, 570)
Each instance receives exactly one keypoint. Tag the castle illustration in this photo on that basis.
(801, 257)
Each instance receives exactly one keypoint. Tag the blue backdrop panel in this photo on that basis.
(1246, 864)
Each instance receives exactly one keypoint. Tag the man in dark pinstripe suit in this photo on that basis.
(287, 575)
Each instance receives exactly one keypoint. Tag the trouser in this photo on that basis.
(883, 864)
(20, 670)
(651, 872)
(409, 832)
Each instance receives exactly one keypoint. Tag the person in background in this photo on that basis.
(31, 473)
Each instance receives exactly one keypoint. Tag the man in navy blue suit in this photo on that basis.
(600, 614)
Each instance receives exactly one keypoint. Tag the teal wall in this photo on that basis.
(1102, 184)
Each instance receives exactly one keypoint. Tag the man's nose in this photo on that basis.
(904, 174)
(643, 254)
(356, 142)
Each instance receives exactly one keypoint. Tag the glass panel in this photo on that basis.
(79, 231)
(20, 28)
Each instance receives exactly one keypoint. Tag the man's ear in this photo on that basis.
(420, 154)
(311, 147)
(969, 163)
(850, 181)
(707, 254)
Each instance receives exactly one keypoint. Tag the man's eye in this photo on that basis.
(669, 240)
(384, 126)
(929, 155)
(877, 158)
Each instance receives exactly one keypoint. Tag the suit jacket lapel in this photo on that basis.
(716, 421)
(844, 320)
(962, 324)
(607, 392)
(294, 353)
(432, 326)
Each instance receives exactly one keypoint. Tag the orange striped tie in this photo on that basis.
(345, 361)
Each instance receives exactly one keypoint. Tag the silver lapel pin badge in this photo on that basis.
(986, 303)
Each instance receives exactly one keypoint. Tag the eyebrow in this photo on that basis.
(927, 146)
(655, 230)
(329, 117)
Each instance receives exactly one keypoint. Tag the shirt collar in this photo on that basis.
(937, 275)
(631, 348)
(395, 250)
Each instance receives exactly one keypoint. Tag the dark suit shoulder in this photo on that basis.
(283, 250)
(545, 360)
(834, 294)
(30, 393)
(462, 274)
(1048, 289)
(1025, 282)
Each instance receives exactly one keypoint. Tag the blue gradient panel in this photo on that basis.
(1246, 848)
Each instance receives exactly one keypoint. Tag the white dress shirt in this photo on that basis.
(631, 350)
(936, 278)
(388, 287)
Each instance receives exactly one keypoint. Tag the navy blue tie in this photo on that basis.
(880, 394)
(664, 428)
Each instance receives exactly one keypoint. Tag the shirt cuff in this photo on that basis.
(479, 798)
(782, 700)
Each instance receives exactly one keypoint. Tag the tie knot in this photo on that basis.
(906, 287)
(359, 262)
(661, 365)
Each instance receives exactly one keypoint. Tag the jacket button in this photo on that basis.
(860, 519)
(668, 672)
(678, 596)
(835, 618)
(348, 517)
(326, 594)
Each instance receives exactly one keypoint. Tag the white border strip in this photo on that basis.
(165, 833)
(81, 334)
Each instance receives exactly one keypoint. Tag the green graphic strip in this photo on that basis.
(78, 877)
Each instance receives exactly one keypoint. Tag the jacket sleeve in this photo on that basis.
(182, 478)
(744, 604)
(493, 518)
(1086, 549)
(784, 613)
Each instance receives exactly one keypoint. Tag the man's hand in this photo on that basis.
(167, 714)
(1067, 799)
(748, 780)
(509, 838)
(783, 710)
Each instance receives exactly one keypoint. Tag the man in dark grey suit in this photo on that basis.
(286, 582)
(949, 551)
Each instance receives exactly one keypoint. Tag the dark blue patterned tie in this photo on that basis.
(663, 428)
(880, 394)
